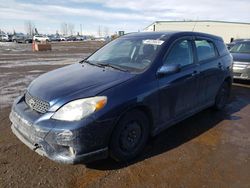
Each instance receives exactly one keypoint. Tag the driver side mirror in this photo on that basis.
(168, 69)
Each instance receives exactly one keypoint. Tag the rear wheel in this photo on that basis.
(222, 96)
(129, 136)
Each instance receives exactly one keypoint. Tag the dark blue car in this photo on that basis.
(112, 102)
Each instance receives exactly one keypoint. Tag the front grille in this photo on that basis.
(36, 103)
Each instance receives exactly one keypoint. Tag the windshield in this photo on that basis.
(241, 48)
(131, 54)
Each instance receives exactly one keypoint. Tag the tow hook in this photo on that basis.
(36, 147)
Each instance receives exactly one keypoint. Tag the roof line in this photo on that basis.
(199, 21)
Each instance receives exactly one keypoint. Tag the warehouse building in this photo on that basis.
(227, 30)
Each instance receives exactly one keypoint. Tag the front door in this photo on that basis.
(178, 92)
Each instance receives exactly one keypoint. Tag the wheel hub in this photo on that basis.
(130, 136)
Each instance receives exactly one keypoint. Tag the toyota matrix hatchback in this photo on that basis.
(132, 88)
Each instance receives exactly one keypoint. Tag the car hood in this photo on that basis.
(75, 81)
(242, 57)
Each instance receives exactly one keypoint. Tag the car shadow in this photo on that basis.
(184, 131)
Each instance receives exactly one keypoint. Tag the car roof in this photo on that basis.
(164, 35)
(243, 41)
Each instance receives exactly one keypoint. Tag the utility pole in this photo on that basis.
(81, 28)
(99, 32)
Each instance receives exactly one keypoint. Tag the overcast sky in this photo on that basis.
(128, 15)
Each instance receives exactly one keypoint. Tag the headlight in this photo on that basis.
(78, 109)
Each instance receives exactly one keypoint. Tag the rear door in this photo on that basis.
(211, 70)
(178, 91)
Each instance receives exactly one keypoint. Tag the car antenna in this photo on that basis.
(195, 25)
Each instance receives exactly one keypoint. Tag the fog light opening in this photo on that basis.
(72, 151)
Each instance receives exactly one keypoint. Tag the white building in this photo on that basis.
(227, 30)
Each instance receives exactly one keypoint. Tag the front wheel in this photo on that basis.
(222, 96)
(129, 136)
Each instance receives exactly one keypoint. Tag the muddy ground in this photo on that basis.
(210, 149)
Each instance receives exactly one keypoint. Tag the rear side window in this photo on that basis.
(222, 48)
(181, 53)
(205, 49)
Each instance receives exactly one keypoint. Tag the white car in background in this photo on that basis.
(41, 38)
(62, 38)
(4, 38)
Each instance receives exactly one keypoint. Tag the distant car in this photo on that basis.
(71, 38)
(54, 38)
(62, 38)
(241, 57)
(112, 102)
(41, 38)
(4, 38)
(21, 38)
(10, 37)
(230, 45)
(80, 38)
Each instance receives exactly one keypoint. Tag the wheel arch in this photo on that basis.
(229, 80)
(139, 107)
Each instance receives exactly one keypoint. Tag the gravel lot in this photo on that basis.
(210, 149)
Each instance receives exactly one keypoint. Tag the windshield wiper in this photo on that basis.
(90, 63)
(113, 66)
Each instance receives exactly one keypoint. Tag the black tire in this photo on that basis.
(129, 136)
(222, 96)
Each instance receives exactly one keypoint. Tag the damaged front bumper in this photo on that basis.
(63, 142)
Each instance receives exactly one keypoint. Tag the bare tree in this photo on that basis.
(80, 29)
(67, 28)
(29, 27)
(71, 28)
(106, 31)
(64, 28)
(99, 31)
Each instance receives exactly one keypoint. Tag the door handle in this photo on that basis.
(195, 73)
(220, 65)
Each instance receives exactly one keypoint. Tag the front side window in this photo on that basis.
(181, 53)
(205, 50)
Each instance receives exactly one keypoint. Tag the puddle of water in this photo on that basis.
(13, 88)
